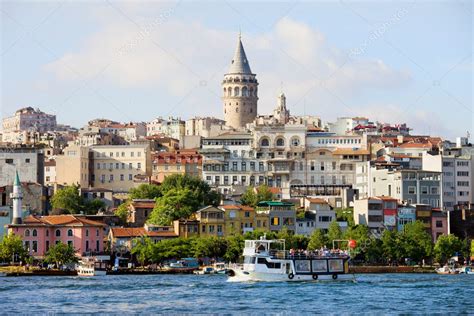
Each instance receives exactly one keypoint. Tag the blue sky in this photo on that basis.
(391, 61)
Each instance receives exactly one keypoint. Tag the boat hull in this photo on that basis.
(91, 274)
(252, 276)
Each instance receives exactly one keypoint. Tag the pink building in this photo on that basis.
(40, 232)
(439, 224)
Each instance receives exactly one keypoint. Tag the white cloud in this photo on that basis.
(174, 56)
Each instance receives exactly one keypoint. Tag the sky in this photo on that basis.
(394, 62)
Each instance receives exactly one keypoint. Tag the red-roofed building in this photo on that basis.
(121, 238)
(40, 233)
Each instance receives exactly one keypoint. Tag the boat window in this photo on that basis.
(262, 260)
(249, 260)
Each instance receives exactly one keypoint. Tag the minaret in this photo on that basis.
(17, 197)
(240, 91)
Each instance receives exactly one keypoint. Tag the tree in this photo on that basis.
(210, 247)
(346, 214)
(391, 245)
(60, 254)
(172, 249)
(235, 247)
(334, 232)
(415, 241)
(446, 246)
(201, 191)
(249, 197)
(145, 191)
(94, 206)
(122, 211)
(174, 204)
(67, 200)
(317, 240)
(142, 249)
(264, 193)
(11, 248)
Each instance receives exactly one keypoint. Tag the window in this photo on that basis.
(97, 244)
(58, 233)
(35, 246)
(69, 243)
(211, 228)
(8, 160)
(411, 190)
(27, 245)
(69, 232)
(87, 245)
(280, 142)
(275, 221)
(47, 233)
(325, 218)
(97, 232)
(111, 177)
(27, 233)
(139, 165)
(295, 141)
(424, 190)
(35, 233)
(121, 177)
(203, 228)
(434, 190)
(130, 166)
(130, 177)
(439, 224)
(87, 232)
(247, 214)
(27, 160)
(219, 228)
(463, 173)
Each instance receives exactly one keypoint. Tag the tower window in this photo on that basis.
(236, 91)
(280, 142)
(237, 110)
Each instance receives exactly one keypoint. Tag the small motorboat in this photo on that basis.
(205, 270)
(466, 270)
(446, 270)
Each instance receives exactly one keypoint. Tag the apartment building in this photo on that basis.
(180, 162)
(120, 168)
(27, 161)
(29, 119)
(73, 167)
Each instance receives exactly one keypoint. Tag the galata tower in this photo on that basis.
(240, 91)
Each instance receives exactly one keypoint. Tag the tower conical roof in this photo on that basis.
(240, 63)
(17, 179)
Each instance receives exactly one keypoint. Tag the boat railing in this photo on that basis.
(285, 254)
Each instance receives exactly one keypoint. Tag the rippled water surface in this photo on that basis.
(375, 293)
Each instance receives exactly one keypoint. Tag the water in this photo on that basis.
(374, 293)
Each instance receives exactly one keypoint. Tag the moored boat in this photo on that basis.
(92, 266)
(446, 270)
(267, 260)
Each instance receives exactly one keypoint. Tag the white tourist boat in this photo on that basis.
(92, 266)
(267, 260)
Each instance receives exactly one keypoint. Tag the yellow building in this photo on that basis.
(211, 221)
(120, 167)
(240, 219)
(73, 166)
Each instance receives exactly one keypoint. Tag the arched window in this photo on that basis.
(229, 92)
(236, 110)
(251, 92)
(225, 91)
(236, 91)
(295, 141)
(35, 233)
(69, 232)
(245, 92)
(280, 142)
(264, 142)
(27, 233)
(58, 233)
